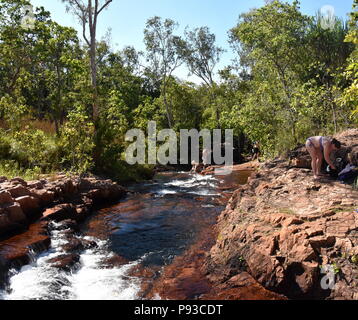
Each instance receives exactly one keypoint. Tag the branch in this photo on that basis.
(104, 6)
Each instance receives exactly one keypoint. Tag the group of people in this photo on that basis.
(319, 148)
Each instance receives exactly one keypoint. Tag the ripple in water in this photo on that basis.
(92, 281)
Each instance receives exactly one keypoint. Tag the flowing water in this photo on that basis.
(151, 226)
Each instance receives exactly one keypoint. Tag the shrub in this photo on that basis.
(77, 141)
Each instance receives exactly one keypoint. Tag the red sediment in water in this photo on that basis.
(17, 247)
(185, 279)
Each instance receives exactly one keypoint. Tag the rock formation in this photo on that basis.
(295, 235)
(23, 202)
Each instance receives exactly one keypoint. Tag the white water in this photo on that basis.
(92, 281)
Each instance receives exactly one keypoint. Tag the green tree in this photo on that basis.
(202, 55)
(163, 49)
(351, 93)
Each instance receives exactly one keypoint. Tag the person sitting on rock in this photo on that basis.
(321, 147)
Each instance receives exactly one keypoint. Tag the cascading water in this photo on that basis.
(150, 227)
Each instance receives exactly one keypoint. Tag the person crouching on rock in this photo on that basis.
(321, 147)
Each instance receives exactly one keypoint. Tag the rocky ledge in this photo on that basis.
(28, 208)
(294, 235)
(22, 203)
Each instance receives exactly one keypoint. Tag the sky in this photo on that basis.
(127, 18)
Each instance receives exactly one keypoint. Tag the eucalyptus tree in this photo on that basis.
(164, 54)
(88, 12)
(201, 56)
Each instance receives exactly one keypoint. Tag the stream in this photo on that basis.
(155, 223)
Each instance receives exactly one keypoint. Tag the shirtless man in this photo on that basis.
(319, 147)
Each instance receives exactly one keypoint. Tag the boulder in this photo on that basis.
(18, 180)
(45, 197)
(2, 179)
(15, 213)
(29, 205)
(19, 191)
(60, 212)
(5, 197)
(65, 262)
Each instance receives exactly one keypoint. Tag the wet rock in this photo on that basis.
(77, 245)
(65, 224)
(65, 262)
(73, 245)
(60, 212)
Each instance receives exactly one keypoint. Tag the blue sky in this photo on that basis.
(127, 18)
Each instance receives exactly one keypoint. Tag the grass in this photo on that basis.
(287, 211)
(11, 169)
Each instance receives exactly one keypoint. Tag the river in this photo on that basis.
(155, 223)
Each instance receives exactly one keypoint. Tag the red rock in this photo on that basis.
(302, 252)
(60, 212)
(5, 197)
(18, 180)
(308, 279)
(45, 196)
(65, 262)
(291, 221)
(15, 213)
(29, 205)
(19, 191)
(322, 242)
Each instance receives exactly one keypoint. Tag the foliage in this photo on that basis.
(66, 104)
(77, 141)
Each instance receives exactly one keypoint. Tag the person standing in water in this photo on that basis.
(255, 151)
(321, 147)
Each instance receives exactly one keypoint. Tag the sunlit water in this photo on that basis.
(149, 228)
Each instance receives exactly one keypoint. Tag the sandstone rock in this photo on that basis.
(5, 197)
(65, 262)
(302, 252)
(15, 213)
(322, 242)
(2, 179)
(19, 191)
(35, 185)
(60, 212)
(29, 205)
(45, 197)
(285, 225)
(18, 180)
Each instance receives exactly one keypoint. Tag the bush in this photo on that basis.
(77, 142)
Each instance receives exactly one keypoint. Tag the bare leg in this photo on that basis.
(319, 165)
(313, 153)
